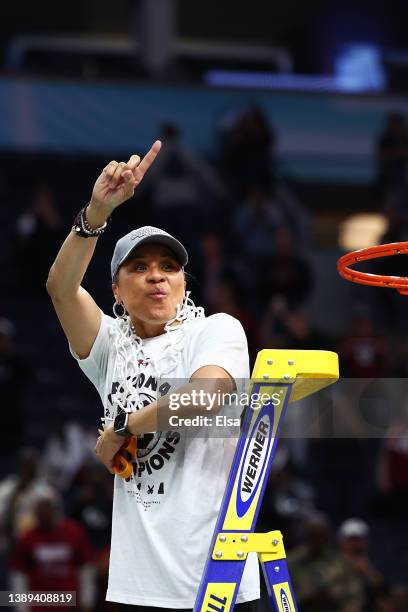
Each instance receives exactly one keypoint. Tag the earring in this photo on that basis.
(122, 314)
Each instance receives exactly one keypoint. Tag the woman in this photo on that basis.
(165, 513)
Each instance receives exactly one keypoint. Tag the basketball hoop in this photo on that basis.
(400, 283)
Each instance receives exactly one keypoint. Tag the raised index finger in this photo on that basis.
(148, 159)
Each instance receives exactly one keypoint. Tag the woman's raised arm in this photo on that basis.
(77, 311)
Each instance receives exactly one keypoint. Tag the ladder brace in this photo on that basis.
(235, 545)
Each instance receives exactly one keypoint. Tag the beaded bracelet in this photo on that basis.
(82, 228)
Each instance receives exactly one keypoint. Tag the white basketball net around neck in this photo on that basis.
(130, 352)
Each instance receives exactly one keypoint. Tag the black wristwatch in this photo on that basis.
(120, 424)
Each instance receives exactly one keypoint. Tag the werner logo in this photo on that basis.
(256, 455)
(254, 463)
(285, 603)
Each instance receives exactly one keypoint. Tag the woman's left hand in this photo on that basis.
(108, 445)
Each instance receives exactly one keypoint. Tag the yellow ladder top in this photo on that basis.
(307, 371)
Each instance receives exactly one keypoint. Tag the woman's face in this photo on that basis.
(151, 285)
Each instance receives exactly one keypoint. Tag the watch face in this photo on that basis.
(120, 421)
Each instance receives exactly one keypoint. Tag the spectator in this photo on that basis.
(323, 581)
(92, 507)
(38, 233)
(282, 327)
(53, 556)
(363, 351)
(285, 273)
(254, 225)
(247, 150)
(18, 496)
(340, 458)
(18, 493)
(265, 229)
(297, 218)
(14, 376)
(353, 541)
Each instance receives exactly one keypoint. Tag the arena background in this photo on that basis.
(285, 145)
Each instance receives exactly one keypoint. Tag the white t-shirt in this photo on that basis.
(164, 516)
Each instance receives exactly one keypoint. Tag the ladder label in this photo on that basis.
(218, 597)
(284, 597)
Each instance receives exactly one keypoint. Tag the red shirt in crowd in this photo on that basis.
(51, 560)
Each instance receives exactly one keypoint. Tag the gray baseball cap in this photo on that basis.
(142, 235)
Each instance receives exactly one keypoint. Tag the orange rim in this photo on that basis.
(400, 283)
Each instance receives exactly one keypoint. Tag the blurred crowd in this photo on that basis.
(341, 501)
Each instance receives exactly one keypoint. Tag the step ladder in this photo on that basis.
(280, 377)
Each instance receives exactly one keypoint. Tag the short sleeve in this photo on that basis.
(96, 364)
(221, 342)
